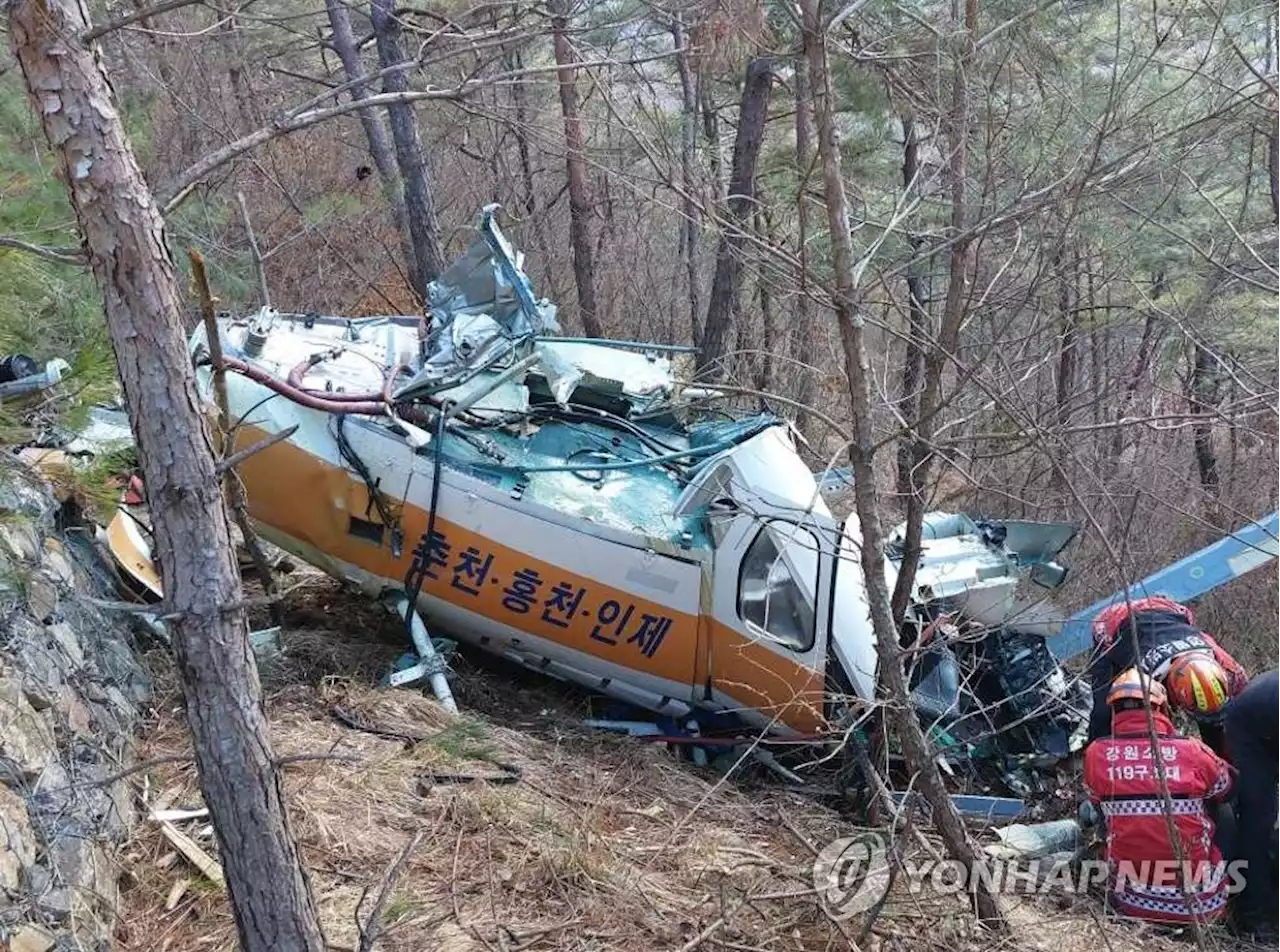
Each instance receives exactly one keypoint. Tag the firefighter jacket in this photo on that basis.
(1149, 879)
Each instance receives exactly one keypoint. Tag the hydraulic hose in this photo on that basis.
(371, 407)
(299, 373)
(389, 381)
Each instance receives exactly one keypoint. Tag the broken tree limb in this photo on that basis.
(159, 611)
(136, 17)
(72, 256)
(369, 931)
(235, 459)
(258, 266)
(799, 405)
(88, 36)
(232, 488)
(198, 858)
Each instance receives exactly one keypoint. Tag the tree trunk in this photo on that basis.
(1097, 343)
(711, 132)
(804, 333)
(123, 231)
(726, 287)
(768, 326)
(344, 43)
(1146, 347)
(1233, 431)
(919, 756)
(584, 269)
(419, 203)
(953, 311)
(536, 228)
(688, 178)
(1273, 140)
(918, 329)
(1273, 173)
(1202, 394)
(1066, 278)
(237, 58)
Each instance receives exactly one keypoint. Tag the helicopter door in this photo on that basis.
(771, 595)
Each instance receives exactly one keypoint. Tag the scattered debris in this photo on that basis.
(630, 728)
(990, 810)
(1036, 840)
(175, 816)
(198, 858)
(176, 892)
(31, 938)
(19, 375)
(127, 537)
(108, 430)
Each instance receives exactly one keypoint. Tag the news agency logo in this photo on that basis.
(852, 875)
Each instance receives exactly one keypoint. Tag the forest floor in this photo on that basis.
(601, 842)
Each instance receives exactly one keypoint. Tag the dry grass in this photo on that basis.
(603, 843)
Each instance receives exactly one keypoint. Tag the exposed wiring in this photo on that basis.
(634, 464)
(377, 499)
(580, 414)
(421, 562)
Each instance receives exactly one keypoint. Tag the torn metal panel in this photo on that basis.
(129, 545)
(987, 809)
(489, 278)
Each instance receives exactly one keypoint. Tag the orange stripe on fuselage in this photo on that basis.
(306, 498)
(758, 677)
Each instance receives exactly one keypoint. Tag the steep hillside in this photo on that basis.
(566, 839)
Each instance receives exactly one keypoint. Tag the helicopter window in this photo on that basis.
(772, 593)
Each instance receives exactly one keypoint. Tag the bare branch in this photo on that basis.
(88, 36)
(369, 931)
(235, 459)
(180, 187)
(57, 255)
(848, 10)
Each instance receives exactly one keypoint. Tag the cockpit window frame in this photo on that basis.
(791, 528)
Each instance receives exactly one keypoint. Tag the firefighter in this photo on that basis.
(1149, 878)
(1251, 737)
(1198, 675)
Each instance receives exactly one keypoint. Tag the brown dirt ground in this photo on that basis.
(603, 844)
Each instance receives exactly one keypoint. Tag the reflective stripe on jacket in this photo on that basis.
(1150, 880)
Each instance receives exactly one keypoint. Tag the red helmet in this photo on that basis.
(1133, 685)
(1197, 683)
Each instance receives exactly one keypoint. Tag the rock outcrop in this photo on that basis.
(71, 689)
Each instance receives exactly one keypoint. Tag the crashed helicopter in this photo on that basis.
(574, 507)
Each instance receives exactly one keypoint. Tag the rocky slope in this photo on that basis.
(71, 688)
